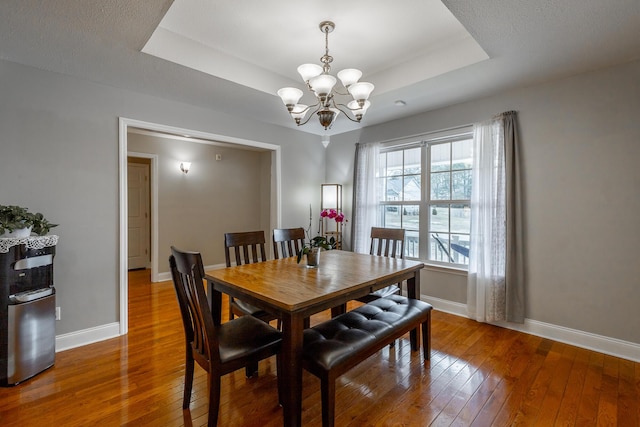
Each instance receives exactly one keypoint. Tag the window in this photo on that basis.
(425, 188)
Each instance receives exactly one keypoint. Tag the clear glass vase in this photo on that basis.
(313, 258)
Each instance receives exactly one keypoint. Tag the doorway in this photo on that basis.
(124, 127)
(139, 213)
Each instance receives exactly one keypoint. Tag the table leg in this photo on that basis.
(215, 302)
(292, 328)
(413, 291)
(338, 310)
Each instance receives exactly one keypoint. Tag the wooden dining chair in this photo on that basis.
(387, 242)
(245, 248)
(218, 348)
(287, 242)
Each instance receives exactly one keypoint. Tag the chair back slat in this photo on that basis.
(187, 272)
(388, 242)
(289, 241)
(248, 247)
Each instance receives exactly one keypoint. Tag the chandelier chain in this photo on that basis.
(326, 59)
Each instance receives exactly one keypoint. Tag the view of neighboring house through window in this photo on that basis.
(425, 188)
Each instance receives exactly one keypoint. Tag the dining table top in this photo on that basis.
(293, 292)
(290, 286)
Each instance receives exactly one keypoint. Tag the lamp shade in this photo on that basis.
(290, 96)
(322, 84)
(349, 76)
(358, 110)
(361, 91)
(298, 112)
(331, 196)
(309, 71)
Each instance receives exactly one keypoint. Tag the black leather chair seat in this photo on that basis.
(337, 340)
(246, 335)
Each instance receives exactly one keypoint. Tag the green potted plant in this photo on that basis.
(17, 221)
(312, 249)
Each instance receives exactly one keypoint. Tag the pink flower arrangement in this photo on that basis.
(333, 214)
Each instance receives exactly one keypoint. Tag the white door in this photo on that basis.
(138, 212)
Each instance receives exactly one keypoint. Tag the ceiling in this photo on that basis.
(427, 53)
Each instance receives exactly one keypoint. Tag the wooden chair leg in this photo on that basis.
(328, 393)
(188, 379)
(281, 382)
(415, 339)
(251, 369)
(231, 314)
(214, 399)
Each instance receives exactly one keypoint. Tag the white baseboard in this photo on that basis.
(87, 336)
(611, 346)
(166, 276)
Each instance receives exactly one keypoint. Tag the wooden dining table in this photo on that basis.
(294, 292)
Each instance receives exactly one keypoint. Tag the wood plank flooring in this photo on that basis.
(479, 375)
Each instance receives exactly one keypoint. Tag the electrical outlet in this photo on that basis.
(57, 313)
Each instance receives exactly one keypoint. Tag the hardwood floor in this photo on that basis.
(479, 375)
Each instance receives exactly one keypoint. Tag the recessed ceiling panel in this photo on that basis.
(260, 44)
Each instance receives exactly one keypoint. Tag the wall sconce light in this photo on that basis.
(185, 166)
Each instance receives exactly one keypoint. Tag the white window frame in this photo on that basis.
(426, 141)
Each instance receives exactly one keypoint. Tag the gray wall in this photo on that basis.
(580, 150)
(581, 142)
(59, 156)
(196, 209)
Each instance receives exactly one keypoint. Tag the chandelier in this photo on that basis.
(321, 83)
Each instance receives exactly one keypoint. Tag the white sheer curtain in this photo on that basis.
(365, 195)
(496, 281)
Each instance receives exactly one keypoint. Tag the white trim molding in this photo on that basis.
(166, 276)
(204, 137)
(87, 336)
(611, 346)
(607, 345)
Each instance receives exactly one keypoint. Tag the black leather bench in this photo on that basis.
(337, 345)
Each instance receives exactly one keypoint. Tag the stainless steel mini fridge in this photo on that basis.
(27, 307)
(31, 338)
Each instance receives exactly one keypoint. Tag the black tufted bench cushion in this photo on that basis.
(337, 345)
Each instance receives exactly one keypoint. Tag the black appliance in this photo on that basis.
(27, 307)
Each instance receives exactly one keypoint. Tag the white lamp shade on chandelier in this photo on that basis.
(322, 84)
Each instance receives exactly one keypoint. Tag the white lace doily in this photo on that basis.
(32, 242)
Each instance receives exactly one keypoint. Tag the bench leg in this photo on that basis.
(426, 338)
(328, 392)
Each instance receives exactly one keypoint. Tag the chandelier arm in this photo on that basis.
(345, 106)
(344, 112)
(310, 115)
(310, 107)
(340, 93)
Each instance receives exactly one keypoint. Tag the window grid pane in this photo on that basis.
(446, 214)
